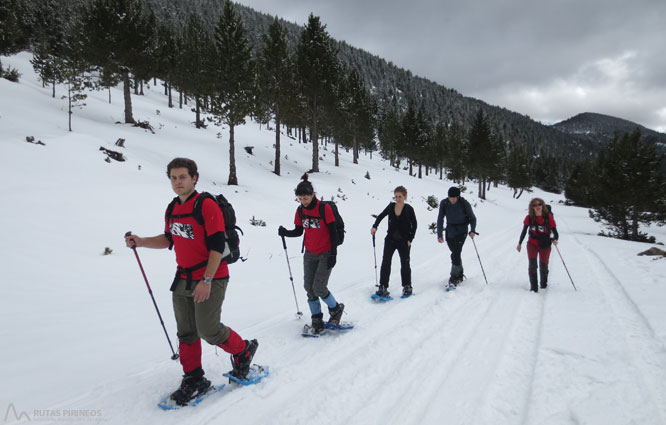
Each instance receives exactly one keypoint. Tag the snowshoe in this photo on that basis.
(382, 294)
(192, 387)
(255, 374)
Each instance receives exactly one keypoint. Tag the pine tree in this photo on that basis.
(439, 151)
(362, 114)
(13, 34)
(117, 35)
(195, 64)
(276, 85)
(480, 151)
(580, 185)
(458, 149)
(318, 73)
(234, 78)
(631, 187)
(498, 161)
(389, 133)
(518, 170)
(408, 145)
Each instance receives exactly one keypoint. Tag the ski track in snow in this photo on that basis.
(610, 365)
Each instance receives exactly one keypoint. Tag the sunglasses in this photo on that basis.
(537, 205)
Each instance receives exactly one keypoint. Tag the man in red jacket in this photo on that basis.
(200, 283)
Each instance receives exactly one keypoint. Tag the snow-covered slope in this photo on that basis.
(80, 335)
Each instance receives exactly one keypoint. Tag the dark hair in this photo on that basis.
(304, 187)
(183, 163)
(401, 189)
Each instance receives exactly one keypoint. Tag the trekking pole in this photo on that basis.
(299, 313)
(565, 268)
(150, 291)
(374, 252)
(477, 256)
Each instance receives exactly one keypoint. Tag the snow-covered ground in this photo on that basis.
(80, 335)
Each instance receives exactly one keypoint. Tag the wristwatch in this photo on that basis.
(207, 280)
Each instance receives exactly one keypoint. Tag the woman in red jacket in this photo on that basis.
(540, 223)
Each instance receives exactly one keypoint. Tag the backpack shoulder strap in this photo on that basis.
(198, 206)
(322, 210)
(169, 210)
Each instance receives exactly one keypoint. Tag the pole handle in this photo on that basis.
(129, 233)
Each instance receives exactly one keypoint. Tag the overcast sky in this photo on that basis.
(549, 59)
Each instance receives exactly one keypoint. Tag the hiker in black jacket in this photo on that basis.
(459, 215)
(401, 232)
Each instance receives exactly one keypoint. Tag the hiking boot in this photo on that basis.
(456, 280)
(543, 274)
(407, 290)
(192, 386)
(336, 314)
(241, 362)
(382, 291)
(317, 323)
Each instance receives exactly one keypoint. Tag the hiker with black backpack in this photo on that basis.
(196, 231)
(317, 219)
(401, 232)
(459, 216)
(540, 223)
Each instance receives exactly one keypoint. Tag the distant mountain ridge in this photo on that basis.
(601, 128)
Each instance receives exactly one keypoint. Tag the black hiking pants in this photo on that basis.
(390, 246)
(456, 245)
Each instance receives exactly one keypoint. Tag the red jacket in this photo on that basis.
(538, 229)
(189, 237)
(317, 236)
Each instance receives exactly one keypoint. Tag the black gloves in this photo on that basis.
(282, 231)
(331, 260)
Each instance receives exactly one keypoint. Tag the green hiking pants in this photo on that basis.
(200, 320)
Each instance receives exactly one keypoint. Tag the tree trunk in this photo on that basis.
(53, 95)
(420, 170)
(170, 97)
(355, 150)
(166, 91)
(109, 95)
(180, 99)
(337, 155)
(129, 119)
(276, 168)
(233, 179)
(315, 147)
(141, 87)
(197, 119)
(136, 87)
(69, 112)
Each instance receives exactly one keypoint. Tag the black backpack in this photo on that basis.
(544, 241)
(339, 222)
(231, 252)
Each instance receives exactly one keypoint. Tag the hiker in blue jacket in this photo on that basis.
(459, 216)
